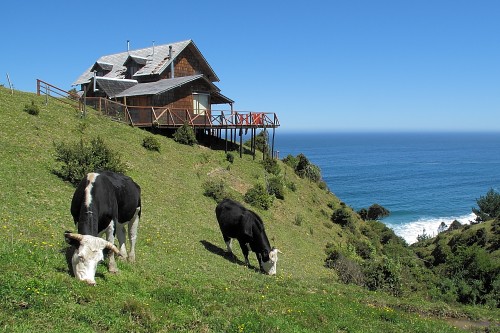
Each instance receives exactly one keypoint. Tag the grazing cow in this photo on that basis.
(104, 201)
(235, 221)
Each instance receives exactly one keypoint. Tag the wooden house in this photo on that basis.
(165, 86)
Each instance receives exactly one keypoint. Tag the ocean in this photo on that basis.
(423, 179)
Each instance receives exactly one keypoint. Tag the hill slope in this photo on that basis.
(182, 281)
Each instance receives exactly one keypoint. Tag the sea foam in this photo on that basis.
(409, 231)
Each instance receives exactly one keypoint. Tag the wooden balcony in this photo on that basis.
(162, 117)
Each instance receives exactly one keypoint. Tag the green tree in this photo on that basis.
(185, 135)
(488, 206)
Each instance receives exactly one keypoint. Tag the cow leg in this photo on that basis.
(244, 249)
(228, 241)
(121, 235)
(259, 259)
(132, 234)
(110, 231)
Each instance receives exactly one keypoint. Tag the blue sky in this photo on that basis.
(357, 65)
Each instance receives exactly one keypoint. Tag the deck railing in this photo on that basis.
(44, 88)
(162, 117)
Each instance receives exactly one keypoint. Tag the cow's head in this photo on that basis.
(88, 253)
(269, 266)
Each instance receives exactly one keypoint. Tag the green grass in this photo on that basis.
(181, 282)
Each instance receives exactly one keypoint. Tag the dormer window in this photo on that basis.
(102, 68)
(133, 64)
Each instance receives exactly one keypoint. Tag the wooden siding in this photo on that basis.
(185, 64)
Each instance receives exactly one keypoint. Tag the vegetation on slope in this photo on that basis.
(182, 280)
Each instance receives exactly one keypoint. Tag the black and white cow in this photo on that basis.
(235, 221)
(104, 201)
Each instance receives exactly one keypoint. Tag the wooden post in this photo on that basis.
(241, 140)
(226, 140)
(10, 85)
(253, 135)
(272, 147)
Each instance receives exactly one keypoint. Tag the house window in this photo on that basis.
(131, 70)
(200, 103)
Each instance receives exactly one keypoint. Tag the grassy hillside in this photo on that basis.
(181, 282)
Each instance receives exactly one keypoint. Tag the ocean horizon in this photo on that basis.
(423, 178)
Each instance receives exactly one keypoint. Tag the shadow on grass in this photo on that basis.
(223, 253)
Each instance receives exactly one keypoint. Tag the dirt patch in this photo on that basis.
(470, 324)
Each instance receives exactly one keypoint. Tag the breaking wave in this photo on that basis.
(410, 230)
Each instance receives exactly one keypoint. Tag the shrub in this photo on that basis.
(363, 213)
(215, 189)
(276, 187)
(151, 143)
(291, 161)
(257, 196)
(80, 158)
(384, 275)
(73, 94)
(230, 157)
(423, 236)
(185, 135)
(364, 249)
(348, 270)
(341, 217)
(271, 166)
(32, 109)
(261, 143)
(489, 206)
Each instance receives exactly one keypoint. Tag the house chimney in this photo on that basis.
(128, 46)
(95, 81)
(171, 61)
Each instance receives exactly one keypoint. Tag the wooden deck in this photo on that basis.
(213, 122)
(162, 117)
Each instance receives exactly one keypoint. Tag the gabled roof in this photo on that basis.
(102, 65)
(156, 59)
(136, 59)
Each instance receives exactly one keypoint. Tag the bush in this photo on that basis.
(230, 157)
(32, 109)
(185, 135)
(291, 161)
(261, 143)
(489, 206)
(341, 217)
(384, 275)
(151, 143)
(275, 186)
(348, 270)
(271, 166)
(257, 196)
(80, 158)
(215, 189)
